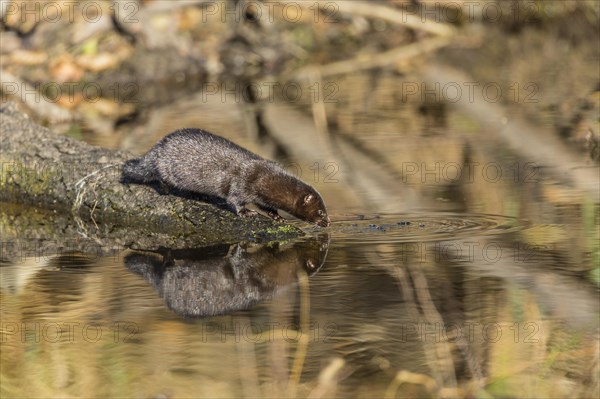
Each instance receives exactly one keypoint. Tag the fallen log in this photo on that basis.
(50, 171)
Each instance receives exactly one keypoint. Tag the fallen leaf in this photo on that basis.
(64, 69)
(28, 57)
(98, 62)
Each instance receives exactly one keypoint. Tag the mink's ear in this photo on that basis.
(308, 198)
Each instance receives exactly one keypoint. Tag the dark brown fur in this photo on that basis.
(222, 279)
(201, 162)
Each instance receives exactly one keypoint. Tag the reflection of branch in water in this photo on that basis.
(215, 280)
(370, 172)
(309, 140)
(539, 146)
(403, 376)
(302, 345)
(370, 178)
(319, 111)
(442, 355)
(414, 288)
(373, 176)
(252, 111)
(328, 378)
(247, 364)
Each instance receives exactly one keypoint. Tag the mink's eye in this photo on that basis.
(308, 198)
(320, 212)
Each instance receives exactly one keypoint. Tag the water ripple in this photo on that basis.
(391, 228)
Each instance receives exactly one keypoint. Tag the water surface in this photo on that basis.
(455, 267)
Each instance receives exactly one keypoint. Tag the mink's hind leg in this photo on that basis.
(138, 170)
(240, 209)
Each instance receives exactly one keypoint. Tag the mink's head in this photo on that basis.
(310, 207)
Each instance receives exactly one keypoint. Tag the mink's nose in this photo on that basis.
(324, 222)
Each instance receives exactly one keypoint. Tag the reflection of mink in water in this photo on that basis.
(203, 163)
(208, 281)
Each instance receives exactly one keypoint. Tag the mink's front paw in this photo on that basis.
(277, 218)
(247, 212)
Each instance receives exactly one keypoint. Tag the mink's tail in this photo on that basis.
(138, 171)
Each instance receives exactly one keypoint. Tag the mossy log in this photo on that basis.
(46, 170)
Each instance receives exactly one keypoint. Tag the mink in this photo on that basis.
(197, 161)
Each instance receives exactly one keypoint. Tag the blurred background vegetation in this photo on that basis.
(100, 65)
(374, 103)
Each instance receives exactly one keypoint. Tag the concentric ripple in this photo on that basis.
(418, 227)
